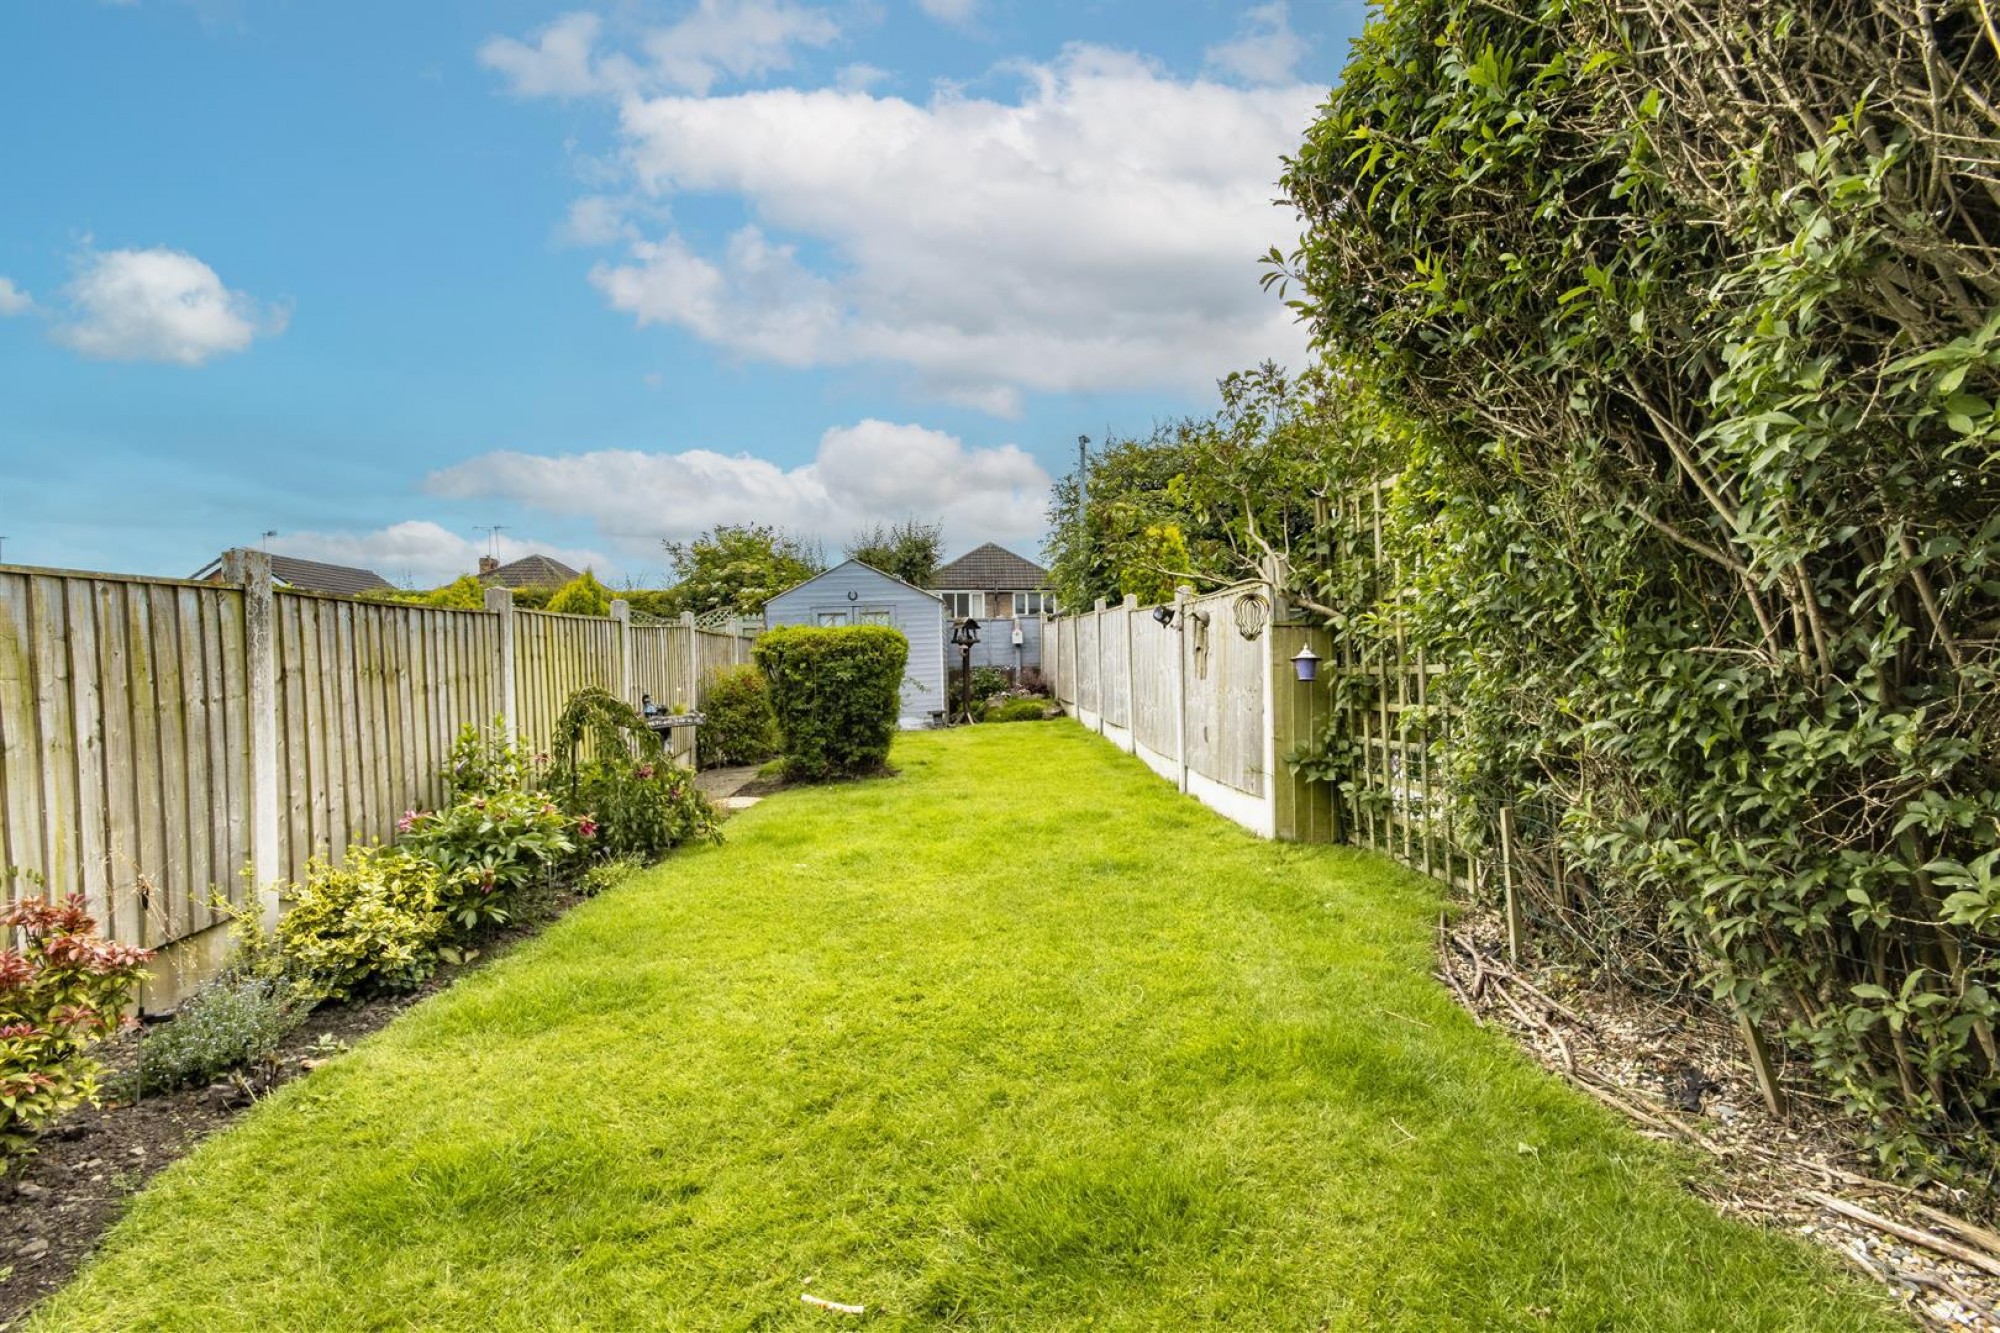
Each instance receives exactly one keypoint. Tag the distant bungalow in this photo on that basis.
(288, 571)
(530, 571)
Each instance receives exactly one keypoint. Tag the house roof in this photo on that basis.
(312, 576)
(531, 571)
(990, 568)
(807, 583)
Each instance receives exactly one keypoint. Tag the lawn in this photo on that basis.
(1019, 1039)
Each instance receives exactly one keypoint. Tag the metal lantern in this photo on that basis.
(1306, 662)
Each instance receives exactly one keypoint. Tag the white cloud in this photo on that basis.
(596, 220)
(716, 39)
(957, 12)
(159, 305)
(557, 65)
(422, 552)
(1100, 233)
(864, 473)
(1265, 49)
(13, 301)
(859, 77)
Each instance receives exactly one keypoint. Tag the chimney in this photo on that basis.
(487, 564)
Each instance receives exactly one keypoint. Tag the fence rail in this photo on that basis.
(164, 744)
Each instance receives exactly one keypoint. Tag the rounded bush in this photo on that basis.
(836, 693)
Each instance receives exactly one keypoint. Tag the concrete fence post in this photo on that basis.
(251, 571)
(1267, 675)
(1097, 667)
(501, 602)
(1131, 608)
(1181, 595)
(621, 620)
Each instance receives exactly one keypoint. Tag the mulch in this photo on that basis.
(56, 1204)
(1678, 1071)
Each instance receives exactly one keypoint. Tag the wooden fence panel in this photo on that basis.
(1115, 702)
(370, 698)
(123, 746)
(127, 769)
(1225, 698)
(717, 652)
(1089, 664)
(1153, 650)
(554, 657)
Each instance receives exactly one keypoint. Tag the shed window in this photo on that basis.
(876, 615)
(832, 619)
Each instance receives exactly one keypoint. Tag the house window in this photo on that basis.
(1032, 604)
(959, 605)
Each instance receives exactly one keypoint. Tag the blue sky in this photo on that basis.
(378, 276)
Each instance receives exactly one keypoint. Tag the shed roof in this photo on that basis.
(990, 567)
(312, 576)
(531, 571)
(807, 583)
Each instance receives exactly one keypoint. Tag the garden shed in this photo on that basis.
(852, 593)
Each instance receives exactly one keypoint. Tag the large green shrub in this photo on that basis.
(837, 694)
(61, 989)
(371, 923)
(738, 726)
(582, 596)
(1681, 329)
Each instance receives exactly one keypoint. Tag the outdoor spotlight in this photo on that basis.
(1306, 662)
(1164, 614)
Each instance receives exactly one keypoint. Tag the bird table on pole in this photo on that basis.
(965, 634)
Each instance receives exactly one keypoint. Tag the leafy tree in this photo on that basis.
(1205, 501)
(911, 550)
(738, 567)
(662, 602)
(464, 593)
(582, 596)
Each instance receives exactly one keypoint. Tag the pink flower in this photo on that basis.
(407, 822)
(646, 772)
(586, 827)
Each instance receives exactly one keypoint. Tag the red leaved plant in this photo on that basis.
(62, 989)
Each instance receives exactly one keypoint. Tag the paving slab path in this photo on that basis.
(1019, 1039)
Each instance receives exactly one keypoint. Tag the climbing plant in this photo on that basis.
(1686, 316)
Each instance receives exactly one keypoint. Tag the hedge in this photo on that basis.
(836, 694)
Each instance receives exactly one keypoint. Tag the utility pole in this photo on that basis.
(1083, 501)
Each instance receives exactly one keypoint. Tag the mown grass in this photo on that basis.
(1017, 1040)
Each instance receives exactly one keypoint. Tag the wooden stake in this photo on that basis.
(1760, 1064)
(1515, 930)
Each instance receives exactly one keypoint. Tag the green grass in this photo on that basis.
(1017, 1040)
